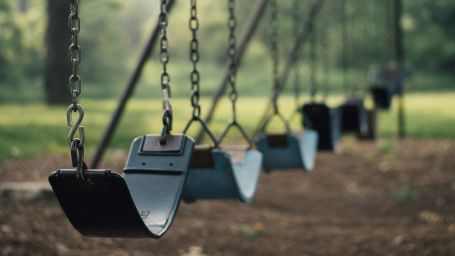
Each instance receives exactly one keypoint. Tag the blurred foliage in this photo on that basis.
(21, 44)
(114, 32)
(429, 26)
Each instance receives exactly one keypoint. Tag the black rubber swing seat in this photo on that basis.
(388, 82)
(217, 173)
(288, 150)
(326, 121)
(142, 203)
(354, 117)
(382, 96)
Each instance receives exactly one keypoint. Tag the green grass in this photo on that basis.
(33, 129)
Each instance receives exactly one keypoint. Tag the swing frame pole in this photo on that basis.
(250, 28)
(292, 57)
(127, 93)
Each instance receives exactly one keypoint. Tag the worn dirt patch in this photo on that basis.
(384, 198)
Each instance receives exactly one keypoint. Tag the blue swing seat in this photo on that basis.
(288, 151)
(223, 174)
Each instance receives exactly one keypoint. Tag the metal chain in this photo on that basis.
(195, 76)
(167, 117)
(325, 47)
(75, 87)
(366, 41)
(275, 53)
(356, 27)
(344, 46)
(74, 24)
(313, 64)
(233, 95)
(232, 53)
(296, 21)
(194, 57)
(389, 28)
(75, 83)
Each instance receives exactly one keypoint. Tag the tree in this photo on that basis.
(11, 44)
(57, 67)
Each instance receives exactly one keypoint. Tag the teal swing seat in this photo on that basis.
(288, 150)
(222, 174)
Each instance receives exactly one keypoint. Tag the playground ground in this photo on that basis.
(383, 198)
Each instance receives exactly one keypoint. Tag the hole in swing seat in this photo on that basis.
(277, 140)
(202, 157)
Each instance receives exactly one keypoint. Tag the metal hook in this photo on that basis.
(77, 125)
(77, 157)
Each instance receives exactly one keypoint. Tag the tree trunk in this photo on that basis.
(58, 67)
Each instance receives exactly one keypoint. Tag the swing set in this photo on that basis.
(164, 168)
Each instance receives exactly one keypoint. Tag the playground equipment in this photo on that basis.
(141, 203)
(217, 173)
(286, 150)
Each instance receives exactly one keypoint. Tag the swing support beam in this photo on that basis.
(250, 28)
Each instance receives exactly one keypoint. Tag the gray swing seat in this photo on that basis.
(288, 150)
(223, 174)
(141, 203)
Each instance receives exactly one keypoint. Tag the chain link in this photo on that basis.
(232, 53)
(275, 53)
(167, 117)
(194, 57)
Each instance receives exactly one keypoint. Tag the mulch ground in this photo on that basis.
(383, 198)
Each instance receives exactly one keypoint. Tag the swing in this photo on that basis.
(326, 121)
(387, 83)
(353, 111)
(220, 173)
(287, 150)
(388, 80)
(318, 115)
(381, 91)
(382, 96)
(354, 116)
(141, 203)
